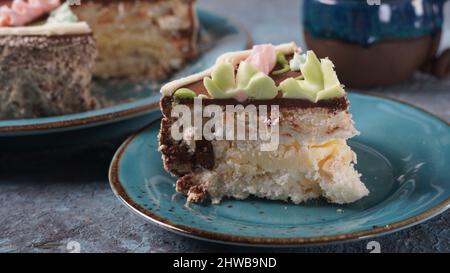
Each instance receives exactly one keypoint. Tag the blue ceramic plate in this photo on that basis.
(123, 100)
(403, 155)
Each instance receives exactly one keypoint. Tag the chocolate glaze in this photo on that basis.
(336, 104)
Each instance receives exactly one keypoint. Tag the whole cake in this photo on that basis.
(311, 158)
(46, 67)
(50, 49)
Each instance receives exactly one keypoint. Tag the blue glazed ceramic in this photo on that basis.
(403, 155)
(373, 42)
(356, 21)
(128, 106)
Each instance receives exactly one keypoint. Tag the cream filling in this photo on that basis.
(294, 172)
(292, 157)
(52, 29)
(288, 157)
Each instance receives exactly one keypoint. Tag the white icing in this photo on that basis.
(48, 29)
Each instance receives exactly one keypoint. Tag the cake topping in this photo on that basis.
(263, 58)
(61, 21)
(23, 12)
(320, 80)
(317, 80)
(184, 93)
(241, 76)
(281, 60)
(62, 14)
(48, 29)
(248, 82)
(296, 61)
(233, 58)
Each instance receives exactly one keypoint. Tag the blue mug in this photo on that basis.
(377, 42)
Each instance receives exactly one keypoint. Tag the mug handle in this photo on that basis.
(439, 66)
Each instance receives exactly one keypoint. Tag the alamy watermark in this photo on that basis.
(227, 122)
(374, 247)
(73, 247)
(74, 2)
(373, 2)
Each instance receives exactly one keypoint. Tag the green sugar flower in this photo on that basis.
(248, 80)
(63, 14)
(184, 93)
(320, 80)
(281, 59)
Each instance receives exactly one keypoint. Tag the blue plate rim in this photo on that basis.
(89, 118)
(197, 233)
(99, 116)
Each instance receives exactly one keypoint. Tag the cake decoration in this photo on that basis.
(281, 60)
(296, 61)
(263, 58)
(233, 58)
(22, 19)
(320, 80)
(23, 12)
(316, 81)
(249, 82)
(63, 14)
(184, 93)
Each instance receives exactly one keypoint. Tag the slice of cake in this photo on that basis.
(46, 61)
(308, 113)
(141, 39)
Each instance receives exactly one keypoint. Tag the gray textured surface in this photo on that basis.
(50, 198)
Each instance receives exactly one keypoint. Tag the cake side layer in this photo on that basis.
(141, 39)
(307, 125)
(27, 90)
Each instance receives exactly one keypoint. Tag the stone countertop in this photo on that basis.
(49, 198)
